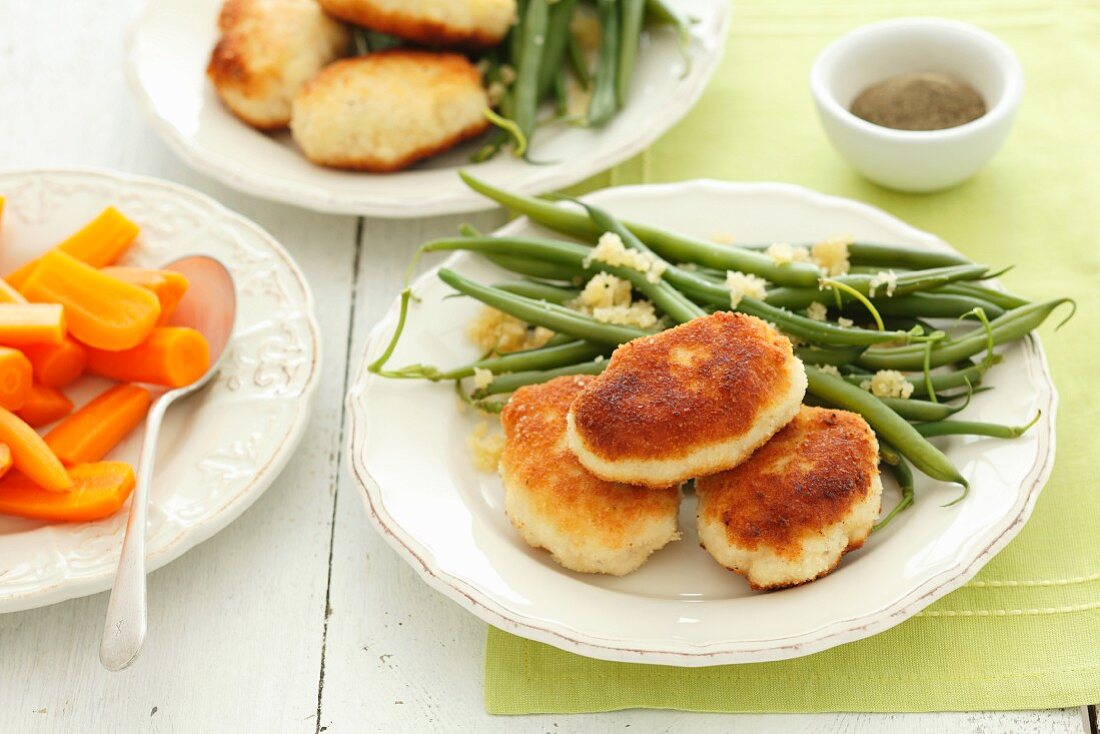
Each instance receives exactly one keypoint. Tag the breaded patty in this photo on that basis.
(385, 111)
(690, 401)
(587, 524)
(803, 500)
(268, 49)
(470, 23)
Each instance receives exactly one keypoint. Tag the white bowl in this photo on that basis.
(923, 160)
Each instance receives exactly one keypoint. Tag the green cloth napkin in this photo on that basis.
(1026, 632)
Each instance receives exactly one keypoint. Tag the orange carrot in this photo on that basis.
(5, 459)
(15, 378)
(102, 311)
(168, 286)
(172, 355)
(31, 323)
(98, 491)
(56, 365)
(31, 455)
(43, 406)
(91, 432)
(9, 294)
(99, 243)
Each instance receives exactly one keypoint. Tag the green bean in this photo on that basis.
(561, 93)
(1008, 327)
(908, 282)
(633, 13)
(546, 357)
(557, 37)
(973, 428)
(889, 454)
(515, 34)
(967, 377)
(889, 425)
(904, 477)
(539, 291)
(992, 295)
(512, 382)
(540, 313)
(672, 246)
(888, 256)
(934, 305)
(920, 410)
(662, 12)
(835, 356)
(602, 105)
(577, 61)
(535, 23)
(535, 268)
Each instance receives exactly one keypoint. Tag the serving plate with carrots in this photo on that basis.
(87, 341)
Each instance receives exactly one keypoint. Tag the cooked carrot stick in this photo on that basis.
(15, 378)
(9, 294)
(91, 432)
(172, 355)
(168, 286)
(31, 323)
(43, 406)
(5, 459)
(31, 455)
(56, 365)
(101, 311)
(98, 491)
(99, 243)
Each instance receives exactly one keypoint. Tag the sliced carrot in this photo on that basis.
(172, 355)
(31, 455)
(15, 378)
(99, 243)
(31, 323)
(5, 459)
(168, 286)
(9, 294)
(98, 491)
(43, 406)
(102, 311)
(91, 432)
(56, 365)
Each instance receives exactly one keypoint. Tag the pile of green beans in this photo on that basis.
(939, 364)
(543, 50)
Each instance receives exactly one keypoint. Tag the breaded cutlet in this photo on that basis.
(693, 400)
(267, 50)
(587, 524)
(467, 23)
(384, 111)
(801, 501)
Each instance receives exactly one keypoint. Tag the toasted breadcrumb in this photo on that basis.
(485, 447)
(782, 253)
(744, 284)
(831, 254)
(611, 250)
(482, 378)
(816, 311)
(845, 322)
(888, 384)
(721, 238)
(496, 331)
(608, 299)
(829, 369)
(886, 278)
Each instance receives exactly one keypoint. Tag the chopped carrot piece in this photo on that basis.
(5, 459)
(168, 286)
(1, 209)
(43, 406)
(15, 378)
(56, 365)
(31, 455)
(31, 323)
(102, 311)
(99, 243)
(9, 294)
(172, 355)
(91, 432)
(98, 491)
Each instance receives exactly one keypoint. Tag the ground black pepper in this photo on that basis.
(919, 101)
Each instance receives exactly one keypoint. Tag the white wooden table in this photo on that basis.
(298, 617)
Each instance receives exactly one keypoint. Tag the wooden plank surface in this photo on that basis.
(239, 636)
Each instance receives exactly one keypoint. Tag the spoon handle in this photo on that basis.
(124, 628)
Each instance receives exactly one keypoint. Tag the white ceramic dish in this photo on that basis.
(408, 453)
(916, 160)
(169, 45)
(219, 449)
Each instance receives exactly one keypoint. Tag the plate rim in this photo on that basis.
(482, 605)
(459, 201)
(176, 546)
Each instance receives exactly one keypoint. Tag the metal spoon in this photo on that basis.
(210, 305)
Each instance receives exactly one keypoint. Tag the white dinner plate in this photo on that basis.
(169, 45)
(409, 455)
(219, 449)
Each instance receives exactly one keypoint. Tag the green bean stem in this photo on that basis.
(967, 377)
(516, 380)
(990, 295)
(542, 358)
(908, 282)
(920, 410)
(934, 305)
(539, 291)
(904, 477)
(973, 428)
(541, 269)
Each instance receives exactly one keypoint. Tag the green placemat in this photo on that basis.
(1026, 632)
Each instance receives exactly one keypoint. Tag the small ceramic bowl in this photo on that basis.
(916, 160)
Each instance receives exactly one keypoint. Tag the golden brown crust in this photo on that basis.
(409, 26)
(229, 69)
(535, 455)
(809, 476)
(698, 384)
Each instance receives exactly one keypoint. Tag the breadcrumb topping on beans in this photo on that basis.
(744, 284)
(886, 278)
(829, 369)
(608, 298)
(831, 254)
(485, 447)
(782, 253)
(888, 384)
(816, 311)
(482, 378)
(611, 250)
(495, 331)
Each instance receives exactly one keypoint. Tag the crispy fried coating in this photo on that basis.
(690, 401)
(803, 500)
(467, 23)
(587, 524)
(268, 49)
(385, 111)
